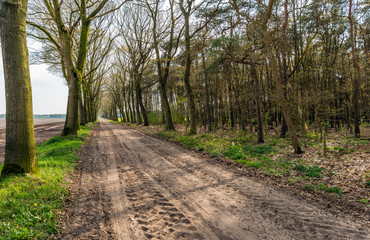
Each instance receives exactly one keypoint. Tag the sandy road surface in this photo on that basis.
(43, 132)
(133, 186)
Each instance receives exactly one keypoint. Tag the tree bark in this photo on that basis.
(72, 123)
(20, 147)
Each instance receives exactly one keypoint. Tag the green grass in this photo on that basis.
(29, 204)
(237, 148)
(314, 171)
(240, 149)
(364, 200)
(322, 187)
(309, 188)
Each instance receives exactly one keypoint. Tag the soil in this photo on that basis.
(42, 133)
(129, 185)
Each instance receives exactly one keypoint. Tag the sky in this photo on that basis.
(49, 92)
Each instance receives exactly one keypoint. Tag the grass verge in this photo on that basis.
(260, 156)
(30, 204)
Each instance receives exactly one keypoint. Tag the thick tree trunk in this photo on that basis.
(72, 125)
(20, 147)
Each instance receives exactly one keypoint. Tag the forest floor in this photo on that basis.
(43, 132)
(133, 185)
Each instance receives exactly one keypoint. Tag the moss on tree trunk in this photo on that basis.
(20, 147)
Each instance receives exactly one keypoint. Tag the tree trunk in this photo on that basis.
(72, 124)
(258, 103)
(284, 127)
(141, 104)
(207, 95)
(81, 107)
(189, 92)
(165, 105)
(164, 73)
(228, 76)
(20, 147)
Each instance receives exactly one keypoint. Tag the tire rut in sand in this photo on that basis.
(88, 217)
(153, 212)
(271, 212)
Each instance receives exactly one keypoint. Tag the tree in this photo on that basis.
(135, 28)
(20, 147)
(163, 61)
(279, 85)
(187, 9)
(236, 61)
(99, 47)
(59, 30)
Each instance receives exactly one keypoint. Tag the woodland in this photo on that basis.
(255, 66)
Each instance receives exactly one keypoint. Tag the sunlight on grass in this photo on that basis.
(29, 204)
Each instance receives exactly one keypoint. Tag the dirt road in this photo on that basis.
(133, 186)
(42, 133)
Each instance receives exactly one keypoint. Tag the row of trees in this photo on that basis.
(256, 64)
(74, 44)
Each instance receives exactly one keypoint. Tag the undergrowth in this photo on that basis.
(29, 204)
(240, 149)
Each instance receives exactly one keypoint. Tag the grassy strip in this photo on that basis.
(258, 156)
(29, 204)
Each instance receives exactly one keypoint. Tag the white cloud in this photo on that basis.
(49, 93)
